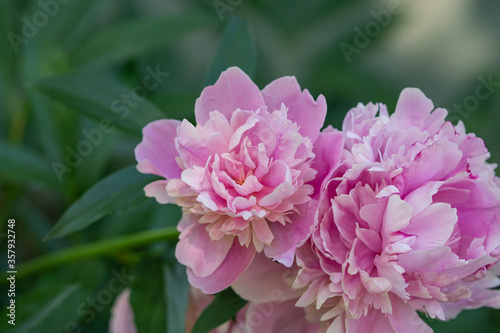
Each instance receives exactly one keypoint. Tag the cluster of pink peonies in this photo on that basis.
(342, 231)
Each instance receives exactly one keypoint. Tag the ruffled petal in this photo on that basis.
(233, 90)
(157, 152)
(265, 281)
(236, 262)
(197, 251)
(302, 108)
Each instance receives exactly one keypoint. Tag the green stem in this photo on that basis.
(93, 250)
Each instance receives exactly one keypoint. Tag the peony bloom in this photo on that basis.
(278, 317)
(122, 315)
(241, 175)
(410, 220)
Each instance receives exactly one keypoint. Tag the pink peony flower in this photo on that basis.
(278, 317)
(410, 220)
(241, 175)
(122, 315)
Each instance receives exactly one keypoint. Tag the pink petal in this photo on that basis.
(265, 281)
(328, 151)
(233, 90)
(433, 163)
(203, 256)
(397, 215)
(279, 173)
(158, 190)
(412, 109)
(261, 229)
(302, 108)
(292, 235)
(157, 152)
(433, 226)
(236, 262)
(405, 319)
(122, 315)
(374, 321)
(435, 260)
(273, 199)
(275, 317)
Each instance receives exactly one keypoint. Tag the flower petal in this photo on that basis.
(287, 238)
(233, 90)
(196, 250)
(236, 262)
(158, 190)
(265, 281)
(302, 108)
(157, 152)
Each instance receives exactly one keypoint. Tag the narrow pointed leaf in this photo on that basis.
(160, 294)
(102, 99)
(224, 307)
(137, 37)
(38, 317)
(119, 192)
(24, 166)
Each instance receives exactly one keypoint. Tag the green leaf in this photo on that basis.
(176, 293)
(223, 308)
(133, 38)
(160, 295)
(236, 49)
(11, 40)
(148, 297)
(22, 165)
(118, 192)
(32, 323)
(70, 19)
(102, 99)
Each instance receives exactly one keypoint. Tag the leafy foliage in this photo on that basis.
(60, 78)
(118, 193)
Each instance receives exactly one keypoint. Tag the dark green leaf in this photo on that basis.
(148, 297)
(10, 43)
(223, 308)
(160, 295)
(22, 165)
(176, 293)
(140, 36)
(236, 49)
(103, 100)
(71, 20)
(119, 192)
(32, 323)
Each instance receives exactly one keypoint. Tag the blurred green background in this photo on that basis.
(65, 65)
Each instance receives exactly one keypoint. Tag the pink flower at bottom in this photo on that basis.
(410, 220)
(241, 175)
(122, 315)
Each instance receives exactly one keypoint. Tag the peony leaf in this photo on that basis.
(137, 37)
(236, 49)
(159, 295)
(177, 294)
(120, 191)
(22, 165)
(32, 323)
(223, 308)
(104, 100)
